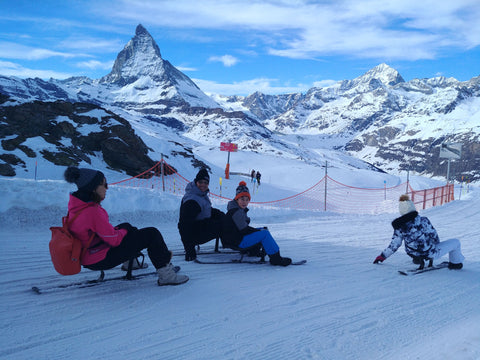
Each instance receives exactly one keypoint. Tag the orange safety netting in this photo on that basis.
(427, 198)
(326, 195)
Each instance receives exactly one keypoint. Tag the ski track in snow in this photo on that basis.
(337, 306)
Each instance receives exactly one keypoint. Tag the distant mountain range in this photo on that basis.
(379, 118)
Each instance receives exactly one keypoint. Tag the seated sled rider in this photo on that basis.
(199, 222)
(111, 246)
(421, 238)
(237, 233)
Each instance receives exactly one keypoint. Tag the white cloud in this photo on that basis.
(95, 64)
(11, 69)
(186, 68)
(248, 87)
(324, 83)
(91, 44)
(403, 30)
(9, 50)
(227, 60)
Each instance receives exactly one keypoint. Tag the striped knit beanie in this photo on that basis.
(242, 190)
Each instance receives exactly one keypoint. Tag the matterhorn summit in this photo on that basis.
(140, 57)
(144, 77)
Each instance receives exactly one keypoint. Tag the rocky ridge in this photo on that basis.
(378, 117)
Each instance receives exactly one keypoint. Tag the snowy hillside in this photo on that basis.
(384, 120)
(378, 117)
(337, 306)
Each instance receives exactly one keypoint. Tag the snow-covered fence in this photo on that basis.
(326, 195)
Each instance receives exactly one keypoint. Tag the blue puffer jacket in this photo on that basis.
(417, 232)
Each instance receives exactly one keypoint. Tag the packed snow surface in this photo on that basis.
(337, 306)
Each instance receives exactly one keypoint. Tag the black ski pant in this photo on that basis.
(133, 243)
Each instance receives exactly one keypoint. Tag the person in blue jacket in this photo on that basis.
(237, 233)
(420, 237)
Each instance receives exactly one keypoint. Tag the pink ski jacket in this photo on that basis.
(93, 219)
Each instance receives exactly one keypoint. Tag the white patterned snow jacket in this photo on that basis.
(417, 232)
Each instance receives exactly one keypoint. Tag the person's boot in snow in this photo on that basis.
(168, 276)
(453, 266)
(276, 259)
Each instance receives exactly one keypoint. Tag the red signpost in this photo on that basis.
(230, 147)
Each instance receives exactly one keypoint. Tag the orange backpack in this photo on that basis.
(65, 249)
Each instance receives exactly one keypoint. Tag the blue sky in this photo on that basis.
(236, 47)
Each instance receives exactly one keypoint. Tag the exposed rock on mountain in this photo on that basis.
(392, 124)
(68, 133)
(378, 117)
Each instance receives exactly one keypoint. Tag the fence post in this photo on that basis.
(424, 198)
(325, 195)
(408, 182)
(162, 172)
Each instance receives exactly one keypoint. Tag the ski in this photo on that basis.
(90, 283)
(238, 261)
(210, 252)
(416, 271)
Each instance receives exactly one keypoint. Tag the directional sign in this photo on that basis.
(230, 147)
(451, 151)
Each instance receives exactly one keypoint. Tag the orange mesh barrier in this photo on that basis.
(326, 195)
(161, 176)
(428, 198)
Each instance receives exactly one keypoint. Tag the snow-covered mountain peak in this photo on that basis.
(144, 77)
(380, 76)
(140, 57)
(441, 81)
(139, 77)
(384, 73)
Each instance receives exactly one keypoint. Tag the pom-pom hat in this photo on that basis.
(86, 180)
(242, 190)
(405, 205)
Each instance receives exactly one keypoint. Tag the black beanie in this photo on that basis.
(86, 180)
(202, 175)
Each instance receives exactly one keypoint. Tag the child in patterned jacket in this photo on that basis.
(421, 238)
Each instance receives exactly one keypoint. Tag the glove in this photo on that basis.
(217, 214)
(379, 258)
(261, 228)
(126, 226)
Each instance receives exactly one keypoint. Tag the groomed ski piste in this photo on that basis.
(339, 305)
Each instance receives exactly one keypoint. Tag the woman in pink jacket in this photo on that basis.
(112, 246)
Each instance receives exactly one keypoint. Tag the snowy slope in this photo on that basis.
(381, 119)
(337, 306)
